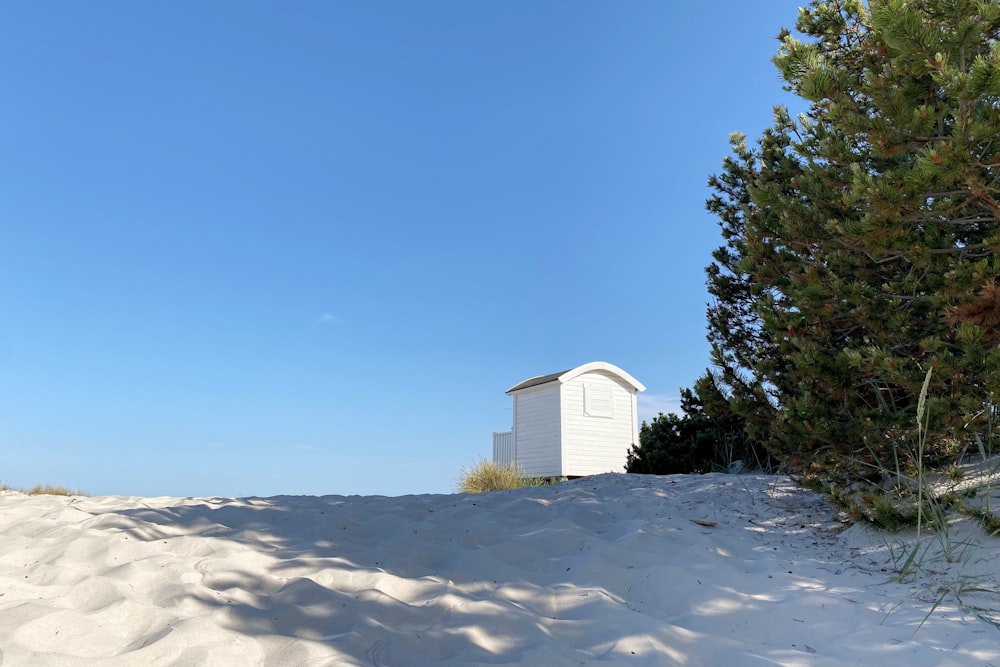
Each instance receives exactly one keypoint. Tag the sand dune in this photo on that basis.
(615, 569)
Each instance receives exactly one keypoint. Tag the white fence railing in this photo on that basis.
(503, 448)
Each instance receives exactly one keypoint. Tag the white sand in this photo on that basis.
(610, 570)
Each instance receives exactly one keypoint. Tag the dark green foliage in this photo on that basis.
(696, 442)
(861, 238)
(669, 445)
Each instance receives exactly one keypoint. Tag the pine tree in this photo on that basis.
(861, 237)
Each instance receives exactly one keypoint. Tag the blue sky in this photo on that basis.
(255, 248)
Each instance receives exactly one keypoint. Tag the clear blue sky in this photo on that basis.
(254, 248)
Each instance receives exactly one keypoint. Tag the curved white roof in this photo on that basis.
(566, 376)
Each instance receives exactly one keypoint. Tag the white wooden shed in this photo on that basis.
(578, 422)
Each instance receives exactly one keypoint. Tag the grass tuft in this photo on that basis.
(43, 490)
(485, 476)
(49, 490)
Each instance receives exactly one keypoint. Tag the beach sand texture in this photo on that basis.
(614, 569)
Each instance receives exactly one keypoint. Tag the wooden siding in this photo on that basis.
(503, 448)
(537, 431)
(596, 444)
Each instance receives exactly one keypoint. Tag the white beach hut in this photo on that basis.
(578, 422)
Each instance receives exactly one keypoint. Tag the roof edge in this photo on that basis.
(566, 376)
(536, 381)
(602, 366)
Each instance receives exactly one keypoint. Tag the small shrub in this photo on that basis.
(486, 476)
(707, 437)
(883, 510)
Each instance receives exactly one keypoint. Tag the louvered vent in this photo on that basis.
(597, 401)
